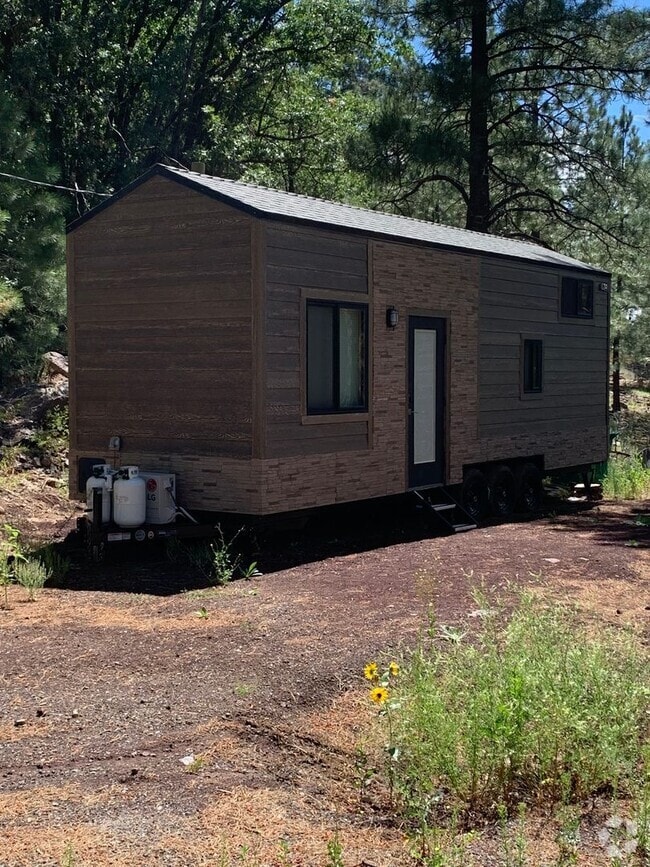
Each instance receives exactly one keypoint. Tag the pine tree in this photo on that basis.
(32, 281)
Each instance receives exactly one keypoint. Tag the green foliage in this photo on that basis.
(11, 554)
(32, 279)
(626, 478)
(217, 561)
(535, 709)
(642, 806)
(56, 565)
(32, 575)
(53, 433)
(335, 852)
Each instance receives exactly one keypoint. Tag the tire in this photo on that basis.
(474, 495)
(503, 492)
(530, 491)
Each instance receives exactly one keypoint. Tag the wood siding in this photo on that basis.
(566, 422)
(302, 264)
(187, 339)
(161, 319)
(319, 464)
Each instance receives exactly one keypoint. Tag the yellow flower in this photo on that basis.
(393, 669)
(379, 694)
(370, 671)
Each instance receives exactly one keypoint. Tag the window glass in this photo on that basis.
(577, 298)
(336, 357)
(533, 360)
(320, 352)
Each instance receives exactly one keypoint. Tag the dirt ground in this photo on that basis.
(108, 681)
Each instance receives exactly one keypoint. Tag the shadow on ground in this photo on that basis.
(628, 525)
(330, 532)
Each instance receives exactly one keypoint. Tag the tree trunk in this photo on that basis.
(616, 374)
(478, 210)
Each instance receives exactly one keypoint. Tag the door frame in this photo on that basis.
(431, 473)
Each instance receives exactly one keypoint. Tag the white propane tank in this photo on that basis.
(129, 498)
(101, 478)
(161, 490)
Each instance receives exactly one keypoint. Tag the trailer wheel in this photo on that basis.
(530, 491)
(503, 492)
(474, 495)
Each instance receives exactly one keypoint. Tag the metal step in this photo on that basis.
(449, 513)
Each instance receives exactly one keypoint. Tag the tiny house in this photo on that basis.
(278, 352)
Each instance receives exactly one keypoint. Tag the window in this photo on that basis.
(577, 298)
(337, 339)
(533, 364)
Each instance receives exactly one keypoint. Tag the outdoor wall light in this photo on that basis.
(392, 317)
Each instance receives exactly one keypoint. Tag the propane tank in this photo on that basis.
(129, 498)
(101, 478)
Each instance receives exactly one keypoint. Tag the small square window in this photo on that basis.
(533, 366)
(337, 338)
(577, 298)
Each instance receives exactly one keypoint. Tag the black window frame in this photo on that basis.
(337, 306)
(531, 383)
(571, 290)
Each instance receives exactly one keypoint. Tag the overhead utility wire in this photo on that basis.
(53, 186)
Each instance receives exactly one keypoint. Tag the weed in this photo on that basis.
(513, 839)
(334, 852)
(203, 613)
(11, 553)
(251, 571)
(441, 847)
(363, 770)
(216, 561)
(534, 710)
(223, 562)
(195, 766)
(568, 838)
(32, 575)
(642, 807)
(69, 858)
(626, 478)
(243, 689)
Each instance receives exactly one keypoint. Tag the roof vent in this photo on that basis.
(198, 167)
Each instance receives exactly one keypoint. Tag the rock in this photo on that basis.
(19, 722)
(614, 822)
(56, 363)
(75, 713)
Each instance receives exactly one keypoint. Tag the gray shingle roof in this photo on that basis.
(265, 202)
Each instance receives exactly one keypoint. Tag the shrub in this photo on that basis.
(534, 709)
(11, 553)
(626, 478)
(56, 565)
(32, 575)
